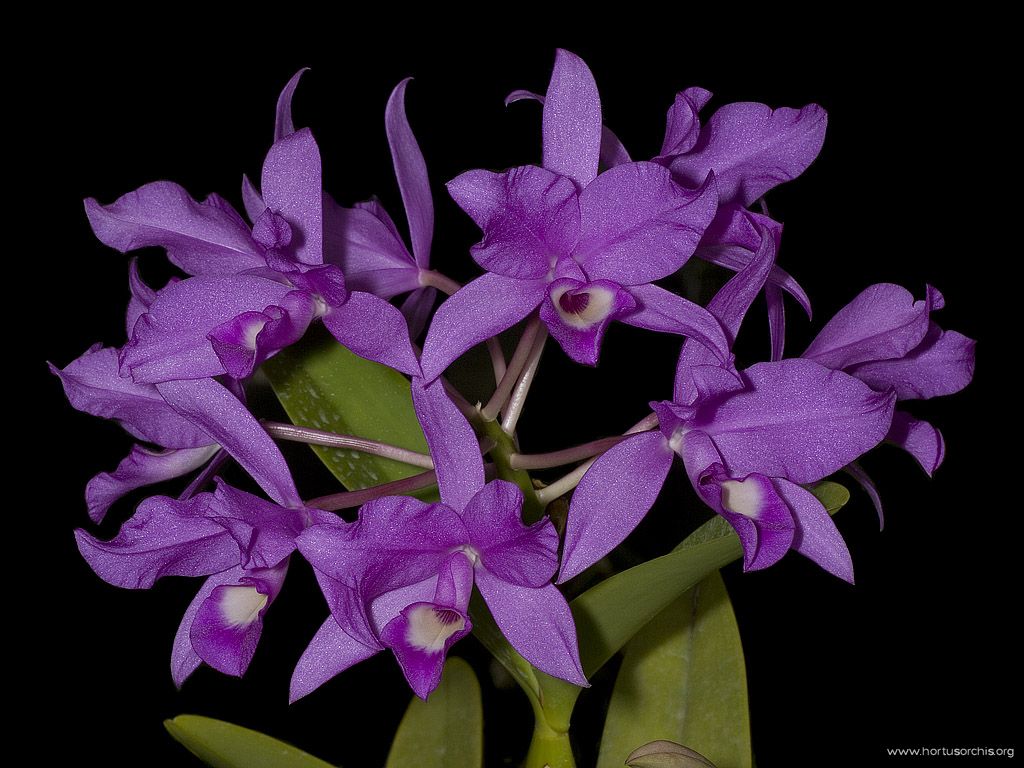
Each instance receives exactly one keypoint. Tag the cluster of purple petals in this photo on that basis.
(578, 241)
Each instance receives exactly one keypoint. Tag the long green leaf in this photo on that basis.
(682, 679)
(224, 745)
(323, 385)
(446, 730)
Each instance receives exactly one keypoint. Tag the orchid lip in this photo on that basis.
(583, 307)
(430, 626)
(744, 497)
(241, 605)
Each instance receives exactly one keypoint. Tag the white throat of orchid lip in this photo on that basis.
(584, 309)
(430, 627)
(252, 331)
(744, 497)
(241, 605)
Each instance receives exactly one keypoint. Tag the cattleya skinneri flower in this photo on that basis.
(568, 246)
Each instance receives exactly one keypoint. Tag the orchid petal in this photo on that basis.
(411, 172)
(572, 120)
(868, 485)
(291, 185)
(816, 536)
(417, 308)
(661, 310)
(776, 320)
(164, 537)
(373, 329)
(538, 624)
(199, 238)
(184, 659)
(528, 215)
(229, 423)
(638, 225)
(918, 438)
(283, 125)
(613, 497)
(329, 653)
(141, 296)
(453, 444)
(140, 468)
(476, 312)
(796, 420)
(577, 314)
(362, 241)
(682, 124)
(252, 200)
(265, 532)
(752, 148)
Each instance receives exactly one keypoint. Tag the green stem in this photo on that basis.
(504, 448)
(549, 748)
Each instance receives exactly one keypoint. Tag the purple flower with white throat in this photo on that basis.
(400, 577)
(749, 440)
(583, 247)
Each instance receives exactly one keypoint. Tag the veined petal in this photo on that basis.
(528, 215)
(292, 188)
(329, 653)
(577, 314)
(283, 124)
(140, 468)
(943, 363)
(411, 172)
(453, 444)
(637, 225)
(682, 124)
(526, 555)
(816, 536)
(883, 322)
(230, 424)
(918, 438)
(664, 311)
(752, 148)
(538, 624)
(373, 329)
(613, 497)
(265, 532)
(184, 659)
(476, 312)
(572, 120)
(93, 385)
(199, 238)
(164, 537)
(776, 321)
(362, 241)
(228, 625)
(797, 420)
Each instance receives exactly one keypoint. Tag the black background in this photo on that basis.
(920, 652)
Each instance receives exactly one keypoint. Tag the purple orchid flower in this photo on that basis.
(254, 290)
(584, 248)
(400, 577)
(364, 240)
(749, 442)
(93, 385)
(888, 340)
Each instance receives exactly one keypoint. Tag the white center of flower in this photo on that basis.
(678, 439)
(240, 606)
(429, 627)
(583, 308)
(742, 497)
(251, 331)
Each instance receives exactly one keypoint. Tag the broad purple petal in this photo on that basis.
(198, 237)
(476, 312)
(538, 624)
(943, 363)
(265, 532)
(164, 537)
(184, 659)
(362, 241)
(664, 311)
(797, 420)
(572, 120)
(613, 497)
(229, 423)
(93, 385)
(918, 438)
(638, 225)
(292, 188)
(816, 536)
(528, 215)
(283, 124)
(140, 468)
(752, 148)
(682, 124)
(411, 172)
(329, 653)
(373, 329)
(453, 444)
(883, 322)
(577, 314)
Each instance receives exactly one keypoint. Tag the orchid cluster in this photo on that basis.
(568, 247)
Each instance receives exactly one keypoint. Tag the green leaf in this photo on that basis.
(224, 745)
(446, 730)
(323, 385)
(683, 680)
